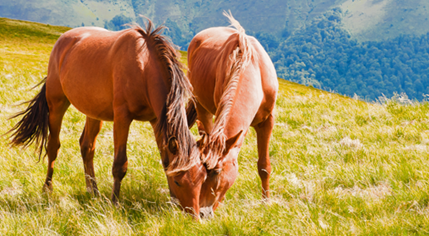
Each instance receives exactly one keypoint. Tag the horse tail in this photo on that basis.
(238, 57)
(33, 127)
(245, 50)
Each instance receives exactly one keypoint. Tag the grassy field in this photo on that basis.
(340, 166)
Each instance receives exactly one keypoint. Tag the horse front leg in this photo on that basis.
(206, 119)
(263, 131)
(121, 126)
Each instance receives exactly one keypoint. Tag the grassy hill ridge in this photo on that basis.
(340, 166)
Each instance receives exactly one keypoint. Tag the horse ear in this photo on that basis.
(204, 140)
(173, 145)
(201, 129)
(231, 142)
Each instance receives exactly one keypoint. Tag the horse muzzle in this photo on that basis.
(206, 212)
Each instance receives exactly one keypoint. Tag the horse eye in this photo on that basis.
(177, 183)
(215, 172)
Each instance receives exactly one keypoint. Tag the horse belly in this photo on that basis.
(90, 92)
(94, 105)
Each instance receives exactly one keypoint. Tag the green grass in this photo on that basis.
(340, 166)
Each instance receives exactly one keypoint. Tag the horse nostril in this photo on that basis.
(206, 212)
(175, 201)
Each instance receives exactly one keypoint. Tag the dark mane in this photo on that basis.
(173, 123)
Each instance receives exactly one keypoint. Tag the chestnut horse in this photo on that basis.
(134, 74)
(234, 79)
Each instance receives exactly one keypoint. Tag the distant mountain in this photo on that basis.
(367, 47)
(375, 20)
(184, 18)
(364, 19)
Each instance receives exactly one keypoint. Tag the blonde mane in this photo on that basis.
(239, 59)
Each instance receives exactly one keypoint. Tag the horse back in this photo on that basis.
(205, 54)
(209, 53)
(99, 69)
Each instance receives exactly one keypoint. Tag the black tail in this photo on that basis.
(33, 127)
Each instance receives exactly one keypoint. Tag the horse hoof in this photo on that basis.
(48, 188)
(266, 201)
(115, 201)
(93, 191)
(117, 204)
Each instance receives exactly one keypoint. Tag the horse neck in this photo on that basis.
(159, 68)
(172, 117)
(229, 122)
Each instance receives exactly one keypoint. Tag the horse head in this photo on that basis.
(184, 181)
(221, 174)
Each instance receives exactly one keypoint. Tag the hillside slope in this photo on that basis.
(340, 166)
(376, 20)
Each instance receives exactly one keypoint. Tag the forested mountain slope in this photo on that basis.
(326, 56)
(365, 47)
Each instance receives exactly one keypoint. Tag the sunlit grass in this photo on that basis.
(340, 167)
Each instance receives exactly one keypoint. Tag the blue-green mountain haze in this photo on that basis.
(363, 47)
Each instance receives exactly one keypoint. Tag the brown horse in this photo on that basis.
(122, 76)
(234, 79)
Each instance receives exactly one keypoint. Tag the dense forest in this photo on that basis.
(323, 55)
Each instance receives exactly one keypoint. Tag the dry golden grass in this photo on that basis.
(340, 167)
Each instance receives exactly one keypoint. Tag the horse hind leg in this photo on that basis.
(87, 143)
(263, 132)
(57, 109)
